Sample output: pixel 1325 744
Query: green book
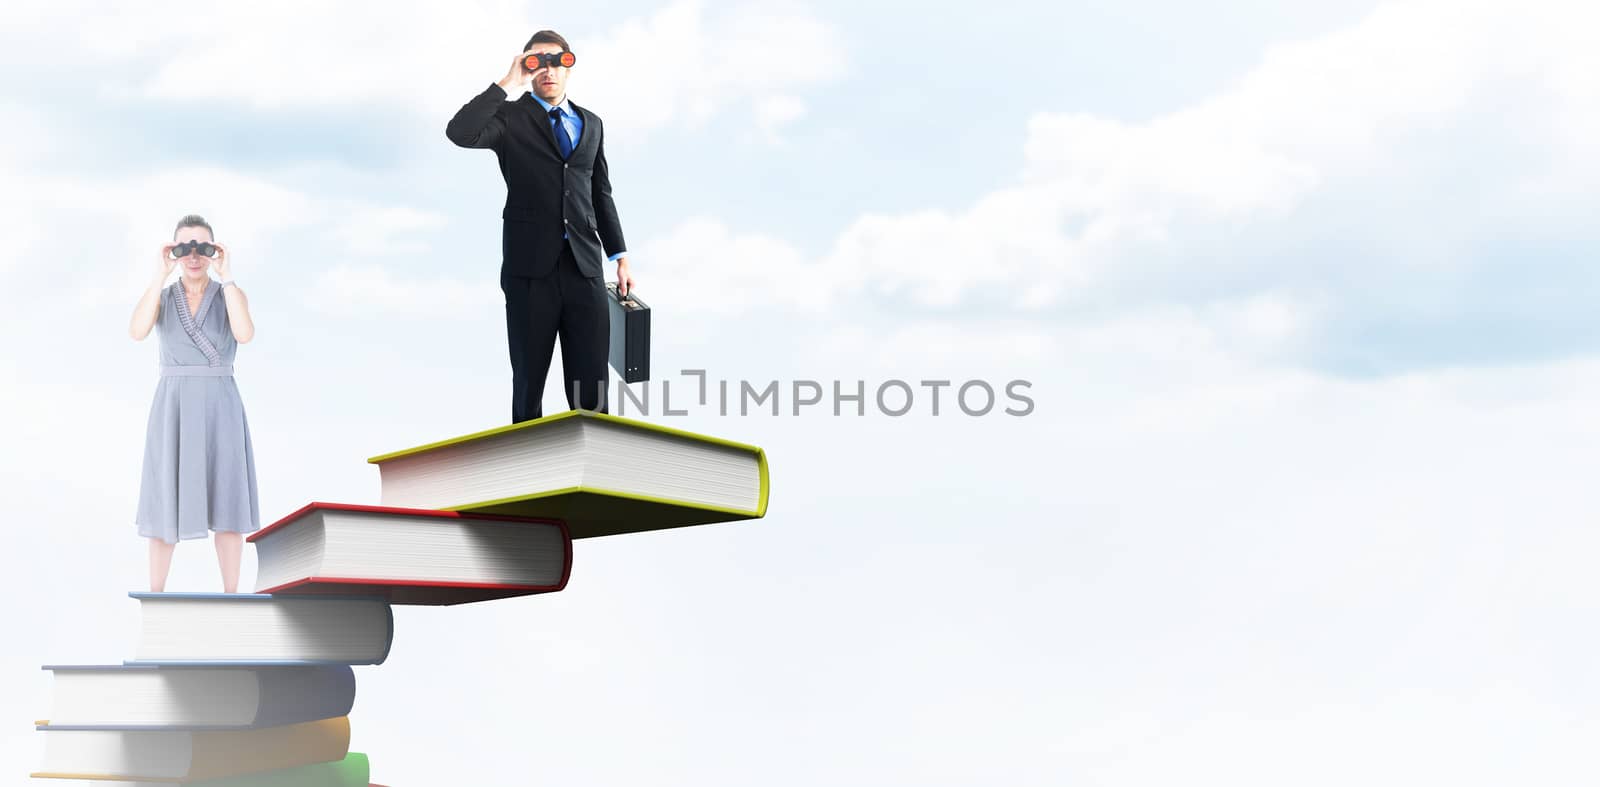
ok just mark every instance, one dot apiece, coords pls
pixel 352 771
pixel 601 474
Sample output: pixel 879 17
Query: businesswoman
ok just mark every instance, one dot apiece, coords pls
pixel 199 470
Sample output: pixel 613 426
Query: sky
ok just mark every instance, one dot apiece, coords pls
pixel 1296 292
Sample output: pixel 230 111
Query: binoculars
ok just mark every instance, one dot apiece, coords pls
pixel 184 249
pixel 551 59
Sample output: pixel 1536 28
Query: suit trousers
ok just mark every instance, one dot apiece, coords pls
pixel 567 303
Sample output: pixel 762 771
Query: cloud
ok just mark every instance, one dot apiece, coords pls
pixel 110 230
pixel 1102 200
pixel 374 291
pixel 27 136
pixel 683 65
pixel 376 230
pixel 1403 154
pixel 775 112
pixel 676 67
pixel 702 267
pixel 266 226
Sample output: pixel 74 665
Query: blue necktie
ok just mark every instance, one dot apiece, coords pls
pixel 561 133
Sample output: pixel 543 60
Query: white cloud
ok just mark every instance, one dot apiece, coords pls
pixel 753 61
pixel 683 64
pixel 111 230
pixel 775 112
pixel 27 136
pixel 1103 205
pixel 374 291
pixel 375 230
pixel 306 54
pixel 702 267
pixel 677 66
pixel 269 228
pixel 1335 108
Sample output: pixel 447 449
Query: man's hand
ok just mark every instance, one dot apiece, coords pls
pixel 221 264
pixel 517 77
pixel 624 277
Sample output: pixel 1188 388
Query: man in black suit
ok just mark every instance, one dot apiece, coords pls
pixel 559 224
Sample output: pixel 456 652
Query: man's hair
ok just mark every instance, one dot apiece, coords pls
pixel 193 220
pixel 547 37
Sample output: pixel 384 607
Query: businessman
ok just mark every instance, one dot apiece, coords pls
pixel 559 223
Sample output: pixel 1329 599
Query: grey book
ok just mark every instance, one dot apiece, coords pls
pixel 139 697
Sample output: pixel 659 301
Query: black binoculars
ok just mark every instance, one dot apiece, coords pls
pixel 184 249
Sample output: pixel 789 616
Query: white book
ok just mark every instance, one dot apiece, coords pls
pixel 230 629
pixel 143 697
pixel 411 556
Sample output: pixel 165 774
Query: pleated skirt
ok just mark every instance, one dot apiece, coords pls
pixel 199 468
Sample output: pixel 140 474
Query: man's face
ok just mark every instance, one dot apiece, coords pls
pixel 549 83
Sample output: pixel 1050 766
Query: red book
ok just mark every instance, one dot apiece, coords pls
pixel 410 555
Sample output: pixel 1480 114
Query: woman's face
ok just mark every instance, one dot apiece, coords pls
pixel 194 265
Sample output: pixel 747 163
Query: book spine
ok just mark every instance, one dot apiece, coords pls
pixel 352 771
pixel 221 754
pixel 291 695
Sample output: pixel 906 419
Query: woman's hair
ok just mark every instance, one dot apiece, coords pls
pixel 193 220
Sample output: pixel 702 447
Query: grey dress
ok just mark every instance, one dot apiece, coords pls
pixel 199 470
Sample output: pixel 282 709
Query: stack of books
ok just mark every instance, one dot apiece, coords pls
pixel 255 690
pixel 226 689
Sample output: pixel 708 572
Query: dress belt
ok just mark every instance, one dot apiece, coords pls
pixel 197 371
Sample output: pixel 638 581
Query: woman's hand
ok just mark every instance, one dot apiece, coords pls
pixel 220 263
pixel 165 265
pixel 148 309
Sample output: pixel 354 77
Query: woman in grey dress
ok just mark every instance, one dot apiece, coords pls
pixel 199 471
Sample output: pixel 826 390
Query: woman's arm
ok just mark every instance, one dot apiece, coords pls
pixel 244 329
pixel 149 306
pixel 239 314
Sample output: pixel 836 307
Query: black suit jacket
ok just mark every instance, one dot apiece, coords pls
pixel 545 196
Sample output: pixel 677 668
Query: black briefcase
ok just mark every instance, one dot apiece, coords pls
pixel 630 335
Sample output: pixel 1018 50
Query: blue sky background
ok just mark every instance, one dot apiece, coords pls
pixel 1302 290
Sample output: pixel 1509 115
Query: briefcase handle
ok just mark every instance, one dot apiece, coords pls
pixel 622 299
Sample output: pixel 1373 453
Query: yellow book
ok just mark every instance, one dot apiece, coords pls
pixel 601 474
pixel 179 756
pixel 352 771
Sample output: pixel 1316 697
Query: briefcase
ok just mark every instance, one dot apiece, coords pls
pixel 630 335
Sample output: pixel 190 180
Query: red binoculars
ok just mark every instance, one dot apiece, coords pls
pixel 551 59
